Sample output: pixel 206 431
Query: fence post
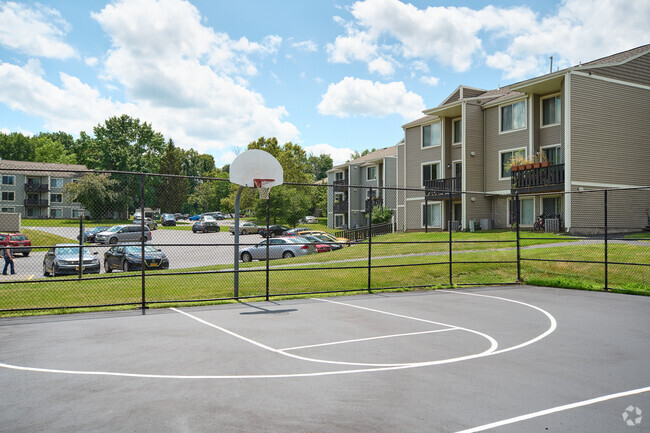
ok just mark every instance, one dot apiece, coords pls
pixel 518 223
pixel 142 237
pixel 606 266
pixel 81 243
pixel 268 239
pixel 370 238
pixel 449 227
pixel 426 213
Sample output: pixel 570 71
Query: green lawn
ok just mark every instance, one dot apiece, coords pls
pixel 41 238
pixel 409 265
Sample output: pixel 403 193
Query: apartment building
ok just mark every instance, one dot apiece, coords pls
pixel 590 121
pixel 30 189
pixel 352 196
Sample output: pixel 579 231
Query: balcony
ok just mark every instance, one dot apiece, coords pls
pixel 36 187
pixel 341 206
pixel 438 189
pixel 35 202
pixel 340 185
pixel 372 203
pixel 542 179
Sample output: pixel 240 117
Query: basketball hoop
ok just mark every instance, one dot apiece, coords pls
pixel 264 187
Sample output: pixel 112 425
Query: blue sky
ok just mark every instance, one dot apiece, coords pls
pixel 333 76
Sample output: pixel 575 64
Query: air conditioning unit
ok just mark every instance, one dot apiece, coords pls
pixel 487 224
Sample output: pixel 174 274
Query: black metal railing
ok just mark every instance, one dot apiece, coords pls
pixel 373 203
pixel 36 187
pixel 438 189
pixel 35 202
pixel 541 179
pixel 340 185
pixel 361 233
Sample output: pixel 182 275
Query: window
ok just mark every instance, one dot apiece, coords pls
pixel 8 196
pixel 458 169
pixel 551 110
pixel 371 173
pixel 56 182
pixel 429 172
pixel 338 175
pixel 8 209
pixel 76 213
pixel 506 158
pixel 431 135
pixel 457 130
pixel 33 181
pixel 339 220
pixel 552 206
pixel 56 213
pixel 8 179
pixel 56 198
pixel 431 215
pixel 527 209
pixel 553 155
pixel 513 116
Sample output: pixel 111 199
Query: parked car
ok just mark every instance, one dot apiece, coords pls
pixel 128 257
pixel 89 235
pixel 167 219
pixel 215 215
pixel 330 240
pixel 245 228
pixel 64 259
pixel 274 230
pixel 331 237
pixel 153 225
pixel 279 248
pixel 294 232
pixel 19 243
pixel 195 217
pixel 321 247
pixel 205 226
pixel 123 233
pixel 310 220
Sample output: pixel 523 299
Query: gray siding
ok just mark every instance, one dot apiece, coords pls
pixel 481 207
pixel 610 130
pixel 634 71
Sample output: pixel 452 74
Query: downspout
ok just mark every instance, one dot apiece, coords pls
pixel 464 166
pixel 567 152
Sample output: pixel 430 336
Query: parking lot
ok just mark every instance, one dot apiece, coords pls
pixel 184 248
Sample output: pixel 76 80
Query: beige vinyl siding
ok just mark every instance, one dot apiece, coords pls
pixel 635 71
pixel 454 97
pixel 416 156
pixel 471 93
pixel 610 129
pixel 495 142
pixel 475 165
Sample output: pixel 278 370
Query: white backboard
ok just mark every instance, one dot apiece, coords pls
pixel 256 164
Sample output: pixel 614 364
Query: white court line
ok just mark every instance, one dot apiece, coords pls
pixel 368 339
pixel 555 409
pixel 294 375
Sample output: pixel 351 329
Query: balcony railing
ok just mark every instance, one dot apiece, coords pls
pixel 341 206
pixel 540 179
pixel 36 187
pixel 340 185
pixel 35 202
pixel 439 189
pixel 372 203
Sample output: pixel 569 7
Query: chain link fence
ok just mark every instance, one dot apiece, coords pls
pixel 84 239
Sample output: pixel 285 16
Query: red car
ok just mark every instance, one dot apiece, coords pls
pixel 18 242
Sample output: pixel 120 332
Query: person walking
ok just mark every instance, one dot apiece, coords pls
pixel 9 261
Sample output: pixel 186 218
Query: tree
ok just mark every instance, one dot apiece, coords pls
pixel 171 192
pixel 96 193
pixel 48 150
pixel 209 194
pixel 381 214
pixel 319 165
pixel 16 146
pixel 356 155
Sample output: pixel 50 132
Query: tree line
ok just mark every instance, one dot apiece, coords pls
pixel 123 143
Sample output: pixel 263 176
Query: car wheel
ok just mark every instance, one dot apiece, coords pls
pixel 246 257
pixel 244 232
pixel 112 241
pixel 218 229
pixel 287 255
pixel 125 266
pixel 45 273
pixel 107 268
pixel 25 254
pixel 53 273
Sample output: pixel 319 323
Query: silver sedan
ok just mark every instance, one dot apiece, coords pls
pixel 279 248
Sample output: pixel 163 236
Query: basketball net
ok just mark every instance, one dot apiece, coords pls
pixel 263 187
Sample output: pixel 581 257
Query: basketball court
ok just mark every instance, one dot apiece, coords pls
pixel 507 359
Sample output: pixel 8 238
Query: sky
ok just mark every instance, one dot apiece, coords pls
pixel 333 76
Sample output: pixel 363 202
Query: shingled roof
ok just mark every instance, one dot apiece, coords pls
pixel 42 168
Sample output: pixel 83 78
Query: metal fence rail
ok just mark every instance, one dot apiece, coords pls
pixel 606 245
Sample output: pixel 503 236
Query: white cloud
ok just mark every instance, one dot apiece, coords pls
pixel 353 96
pixel 578 30
pixel 187 79
pixel 308 46
pixel 431 81
pixel 382 66
pixel 91 61
pixel 36 32
pixel 339 154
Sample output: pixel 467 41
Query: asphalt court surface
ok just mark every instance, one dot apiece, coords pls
pixel 509 359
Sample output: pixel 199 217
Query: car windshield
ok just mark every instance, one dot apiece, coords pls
pixel 137 249
pixel 70 251
pixel 114 229
pixel 19 238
